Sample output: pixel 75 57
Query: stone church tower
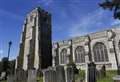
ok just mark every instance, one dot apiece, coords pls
pixel 35 46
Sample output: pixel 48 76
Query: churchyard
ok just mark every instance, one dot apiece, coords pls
pixel 61 74
pixel 37 42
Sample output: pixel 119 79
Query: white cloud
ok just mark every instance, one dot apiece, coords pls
pixel 115 22
pixel 92 22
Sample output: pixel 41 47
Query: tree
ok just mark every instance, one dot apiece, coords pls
pixel 112 5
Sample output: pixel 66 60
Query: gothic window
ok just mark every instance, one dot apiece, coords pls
pixel 63 56
pixel 100 52
pixel 80 54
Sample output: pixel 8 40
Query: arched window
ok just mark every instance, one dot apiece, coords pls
pixel 100 52
pixel 63 56
pixel 80 54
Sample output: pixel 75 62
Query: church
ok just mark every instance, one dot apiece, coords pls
pixel 37 51
pixel 102 48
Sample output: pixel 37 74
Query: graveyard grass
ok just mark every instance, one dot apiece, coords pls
pixel 3 81
pixel 81 75
pixel 39 79
pixel 109 75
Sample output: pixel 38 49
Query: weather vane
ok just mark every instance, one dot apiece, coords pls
pixel 113 5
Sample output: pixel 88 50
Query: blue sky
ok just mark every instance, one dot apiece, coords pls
pixel 69 18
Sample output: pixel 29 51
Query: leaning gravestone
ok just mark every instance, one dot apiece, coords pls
pixel 32 76
pixel 60 73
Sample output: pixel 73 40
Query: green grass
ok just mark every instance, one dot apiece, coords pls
pixel 40 79
pixel 81 75
pixel 109 75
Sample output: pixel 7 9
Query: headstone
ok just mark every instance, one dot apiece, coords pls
pixel 98 74
pixel 3 75
pixel 20 76
pixel 60 73
pixel 49 75
pixel 103 71
pixel 117 77
pixel 69 74
pixel 91 72
pixel 11 78
pixel 118 71
pixel 32 76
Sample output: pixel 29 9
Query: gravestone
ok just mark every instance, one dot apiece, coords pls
pixel 91 72
pixel 98 74
pixel 45 76
pixel 11 78
pixel 32 76
pixel 3 76
pixel 118 71
pixel 117 77
pixel 103 71
pixel 21 76
pixel 60 73
pixel 49 75
pixel 70 74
